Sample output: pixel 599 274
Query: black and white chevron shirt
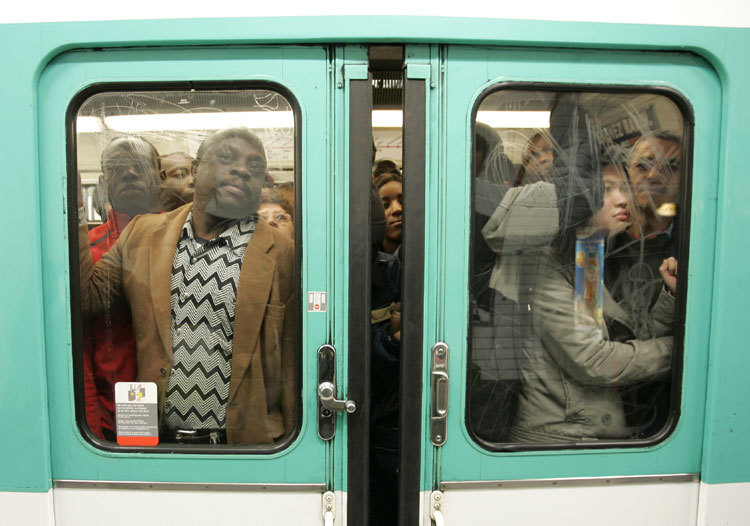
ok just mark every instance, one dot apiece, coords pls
pixel 205 276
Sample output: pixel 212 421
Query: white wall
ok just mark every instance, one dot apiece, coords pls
pixel 728 13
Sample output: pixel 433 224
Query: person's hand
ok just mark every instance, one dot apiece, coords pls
pixel 668 271
pixel 395 328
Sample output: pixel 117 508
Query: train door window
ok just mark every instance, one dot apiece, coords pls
pixel 578 214
pixel 187 267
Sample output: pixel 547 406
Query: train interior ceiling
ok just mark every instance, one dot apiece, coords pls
pixel 176 121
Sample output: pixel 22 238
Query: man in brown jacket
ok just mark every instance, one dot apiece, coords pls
pixel 210 289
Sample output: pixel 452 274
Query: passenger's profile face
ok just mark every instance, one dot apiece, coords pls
pixel 615 215
pixel 655 170
pixel 177 181
pixel 131 169
pixel 275 216
pixel 229 179
pixel 539 156
pixel 390 195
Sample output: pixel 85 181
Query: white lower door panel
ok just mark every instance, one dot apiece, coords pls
pixel 614 502
pixel 198 505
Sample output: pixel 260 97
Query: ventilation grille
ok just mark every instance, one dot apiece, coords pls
pixel 387 87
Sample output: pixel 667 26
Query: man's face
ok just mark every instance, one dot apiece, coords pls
pixel 655 170
pixel 229 179
pixel 132 173
pixel 541 155
pixel 390 195
pixel 177 181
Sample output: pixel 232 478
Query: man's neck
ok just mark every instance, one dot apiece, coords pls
pixel 390 246
pixel 208 226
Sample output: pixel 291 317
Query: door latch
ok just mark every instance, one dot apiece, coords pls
pixel 327 396
pixel 329 508
pixel 439 399
pixel 436 508
pixel 328 404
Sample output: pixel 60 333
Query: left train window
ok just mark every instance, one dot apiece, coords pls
pixel 188 276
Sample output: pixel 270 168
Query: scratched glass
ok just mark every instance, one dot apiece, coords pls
pixel 172 184
pixel 576 208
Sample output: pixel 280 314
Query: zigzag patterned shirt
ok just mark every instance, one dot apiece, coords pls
pixel 204 283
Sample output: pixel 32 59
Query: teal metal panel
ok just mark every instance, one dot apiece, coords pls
pixel 350 63
pixel 303 71
pixel 25 461
pixel 24 442
pixel 726 457
pixel 422 61
pixel 468 72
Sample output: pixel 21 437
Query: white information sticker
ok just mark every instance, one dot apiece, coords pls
pixel 316 302
pixel 136 414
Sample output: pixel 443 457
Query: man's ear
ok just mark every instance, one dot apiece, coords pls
pixel 162 175
pixel 194 168
pixel 269 181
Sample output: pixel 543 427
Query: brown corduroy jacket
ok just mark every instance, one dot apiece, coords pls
pixel 137 270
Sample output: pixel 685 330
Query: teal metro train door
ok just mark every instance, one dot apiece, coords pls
pixel 209 316
pixel 564 350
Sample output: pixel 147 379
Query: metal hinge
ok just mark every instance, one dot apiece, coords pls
pixel 436 508
pixel 439 401
pixel 329 508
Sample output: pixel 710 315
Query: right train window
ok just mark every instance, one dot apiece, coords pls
pixel 577 217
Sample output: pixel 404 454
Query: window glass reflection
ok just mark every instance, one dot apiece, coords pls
pixel 187 282
pixel 574 269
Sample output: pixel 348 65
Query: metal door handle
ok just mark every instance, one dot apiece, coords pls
pixel 328 404
pixel 440 382
pixel 327 396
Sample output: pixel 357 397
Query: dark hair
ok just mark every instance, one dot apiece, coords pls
pixel 230 133
pixel 615 155
pixel 120 141
pixel 662 135
pixel 387 177
pixel 272 196
pixel 385 166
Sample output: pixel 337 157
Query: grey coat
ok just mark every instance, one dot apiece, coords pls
pixel 570 375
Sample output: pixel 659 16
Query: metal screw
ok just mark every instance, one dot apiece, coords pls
pixel 437 496
pixel 438 437
pixel 329 498
pixel 436 506
pixel 329 507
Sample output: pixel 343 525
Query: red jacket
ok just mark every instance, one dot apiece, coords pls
pixel 109 351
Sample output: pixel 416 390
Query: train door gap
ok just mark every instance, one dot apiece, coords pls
pixel 386 63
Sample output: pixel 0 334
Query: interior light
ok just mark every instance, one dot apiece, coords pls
pixel 514 119
pixel 200 121
pixel 89 124
pixel 280 119
pixel 220 120
pixel 387 119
